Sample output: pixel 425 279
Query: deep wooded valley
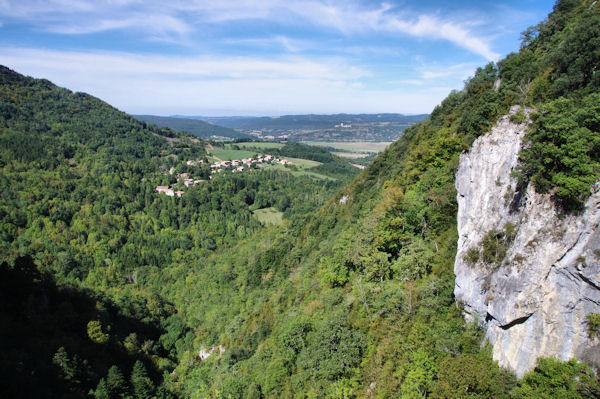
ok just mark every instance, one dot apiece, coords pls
pixel 306 279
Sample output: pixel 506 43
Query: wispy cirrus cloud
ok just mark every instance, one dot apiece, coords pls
pixel 158 24
pixel 197 85
pixel 77 17
pixel 281 55
pixel 427 26
pixel 351 17
pixel 457 71
pixel 181 18
pixel 201 67
pixel 278 41
pixel 437 75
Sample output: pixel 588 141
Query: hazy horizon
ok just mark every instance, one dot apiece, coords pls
pixel 258 58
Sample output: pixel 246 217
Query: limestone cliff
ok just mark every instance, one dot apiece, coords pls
pixel 527 273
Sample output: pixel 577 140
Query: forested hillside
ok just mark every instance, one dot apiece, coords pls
pixel 110 289
pixel 368 309
pixel 88 245
pixel 196 127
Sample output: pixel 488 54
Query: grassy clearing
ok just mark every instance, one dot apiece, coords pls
pixel 229 154
pixel 268 216
pixel 299 163
pixel 303 163
pixel 313 174
pixel 353 146
pixel 299 172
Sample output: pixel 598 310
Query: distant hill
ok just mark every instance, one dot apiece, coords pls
pixel 338 127
pixel 197 127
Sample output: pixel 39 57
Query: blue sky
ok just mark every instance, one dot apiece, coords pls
pixel 251 57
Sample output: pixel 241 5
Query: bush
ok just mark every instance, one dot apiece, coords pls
pixel 471 256
pixel 518 117
pixel 552 378
pixel 593 324
pixel 495 244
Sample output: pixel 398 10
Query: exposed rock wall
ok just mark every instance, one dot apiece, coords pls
pixel 534 300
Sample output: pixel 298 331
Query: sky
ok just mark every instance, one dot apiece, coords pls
pixel 262 57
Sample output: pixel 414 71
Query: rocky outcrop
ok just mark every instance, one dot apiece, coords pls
pixel 205 353
pixel 527 273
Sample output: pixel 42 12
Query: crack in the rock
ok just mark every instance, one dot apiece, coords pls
pixel 574 277
pixel 589 281
pixel 571 247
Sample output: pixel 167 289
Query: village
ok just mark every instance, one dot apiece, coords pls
pixel 234 166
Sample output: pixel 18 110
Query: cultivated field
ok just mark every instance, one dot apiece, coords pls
pixel 303 163
pixel 299 167
pixel 351 154
pixel 352 146
pixel 227 154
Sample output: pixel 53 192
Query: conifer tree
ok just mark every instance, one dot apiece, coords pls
pixel 142 385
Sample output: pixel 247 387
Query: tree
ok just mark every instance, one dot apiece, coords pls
pixel 102 391
pixel 67 366
pixel 116 383
pixel 467 376
pixel 95 333
pixel 553 379
pixel 142 385
pixel 332 350
pixel 417 380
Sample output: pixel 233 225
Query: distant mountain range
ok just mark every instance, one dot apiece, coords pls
pixel 338 127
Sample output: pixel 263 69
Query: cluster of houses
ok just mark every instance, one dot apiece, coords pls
pixel 171 192
pixel 168 191
pixel 220 166
pixel 246 163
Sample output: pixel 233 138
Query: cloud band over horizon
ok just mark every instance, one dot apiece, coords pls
pixel 254 57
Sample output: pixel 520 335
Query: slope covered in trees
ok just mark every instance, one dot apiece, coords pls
pixel 87 244
pixel 368 308
pixel 350 297
pixel 195 126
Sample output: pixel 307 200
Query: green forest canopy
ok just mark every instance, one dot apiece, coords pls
pixel 110 289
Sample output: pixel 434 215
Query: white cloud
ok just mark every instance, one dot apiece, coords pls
pixel 160 85
pixel 158 24
pixel 180 18
pixel 165 85
pixel 278 41
pixel 82 17
pixel 348 17
pixel 190 68
pixel 452 72
pixel 431 27
pixel 411 82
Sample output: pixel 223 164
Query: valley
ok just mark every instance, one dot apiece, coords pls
pixel 448 255
pixel 339 127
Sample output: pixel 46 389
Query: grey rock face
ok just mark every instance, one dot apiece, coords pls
pixel 533 292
